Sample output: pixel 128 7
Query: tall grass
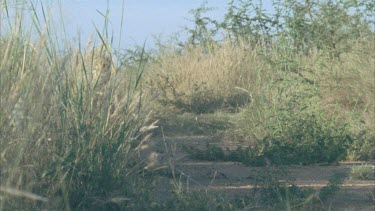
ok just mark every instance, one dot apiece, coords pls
pixel 305 83
pixel 291 101
pixel 69 121
pixel 72 117
pixel 203 79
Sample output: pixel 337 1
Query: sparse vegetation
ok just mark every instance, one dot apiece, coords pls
pixel 295 87
pixel 332 187
pixel 363 172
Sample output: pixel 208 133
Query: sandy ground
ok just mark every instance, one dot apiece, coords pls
pixel 236 179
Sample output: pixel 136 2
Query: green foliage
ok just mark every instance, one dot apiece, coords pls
pixel 363 172
pixel 199 200
pixel 332 187
pixel 305 139
pixel 291 127
pixel 247 19
pixel 70 135
pixel 363 147
pixel 326 25
pixel 329 25
pixel 282 195
pixel 204 27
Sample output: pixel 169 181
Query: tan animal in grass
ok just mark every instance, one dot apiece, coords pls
pixel 100 60
pixel 93 67
pixel 92 71
pixel 102 71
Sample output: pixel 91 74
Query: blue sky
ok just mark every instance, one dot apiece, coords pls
pixel 142 18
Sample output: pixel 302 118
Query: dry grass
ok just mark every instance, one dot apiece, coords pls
pixel 203 80
pixel 70 123
pixel 350 84
pixel 338 93
pixel 272 83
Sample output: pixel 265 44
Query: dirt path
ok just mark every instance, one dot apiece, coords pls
pixel 236 179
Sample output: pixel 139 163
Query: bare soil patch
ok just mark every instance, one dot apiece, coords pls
pixel 235 180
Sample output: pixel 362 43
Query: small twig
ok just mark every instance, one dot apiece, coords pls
pixel 171 162
pixel 212 181
pixel 19 193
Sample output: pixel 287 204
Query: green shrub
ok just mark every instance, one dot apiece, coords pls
pixel 290 127
pixel 363 147
pixel 306 139
pixel 332 187
pixel 363 172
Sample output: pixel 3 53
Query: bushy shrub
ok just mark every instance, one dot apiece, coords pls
pixel 289 126
pixel 363 172
pixel 305 140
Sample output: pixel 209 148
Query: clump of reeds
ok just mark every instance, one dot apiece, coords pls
pixel 70 121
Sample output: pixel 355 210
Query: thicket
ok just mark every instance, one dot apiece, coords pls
pixel 300 77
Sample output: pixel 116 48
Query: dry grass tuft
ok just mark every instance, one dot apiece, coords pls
pixel 204 80
pixel 69 124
